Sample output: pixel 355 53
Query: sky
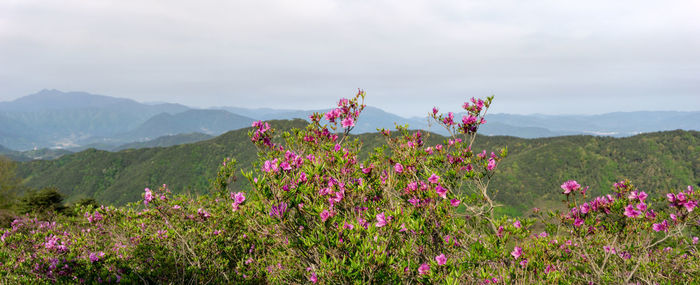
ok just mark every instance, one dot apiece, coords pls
pixel 536 56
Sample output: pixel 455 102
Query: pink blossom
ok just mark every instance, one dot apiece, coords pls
pixel 148 197
pixel 398 167
pixel 313 278
pixel 381 220
pixel 570 186
pixel 663 226
pixel 642 207
pixel 455 202
pixel 671 197
pixel 517 224
pixel 517 252
pixel 348 122
pixel 690 205
pixel 433 178
pixel 631 212
pixel 491 165
pixel 441 191
pixel 641 195
pixel 239 197
pixel 585 207
pixel 348 226
pixel 424 269
pixel 441 259
pixel 325 215
pixel 523 263
pixel 94 257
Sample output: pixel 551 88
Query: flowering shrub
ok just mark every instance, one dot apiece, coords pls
pixel 319 213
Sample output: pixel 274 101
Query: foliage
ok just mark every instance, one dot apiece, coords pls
pixel 9 183
pixel 656 162
pixel 44 202
pixel 410 211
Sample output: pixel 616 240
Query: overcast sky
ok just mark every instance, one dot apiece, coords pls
pixel 552 57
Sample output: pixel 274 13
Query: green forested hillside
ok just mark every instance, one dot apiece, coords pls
pixel 530 176
pixel 655 162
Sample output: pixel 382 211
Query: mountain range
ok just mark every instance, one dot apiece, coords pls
pixel 79 120
pixel 529 177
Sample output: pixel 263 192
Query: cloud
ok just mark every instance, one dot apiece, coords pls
pixel 535 56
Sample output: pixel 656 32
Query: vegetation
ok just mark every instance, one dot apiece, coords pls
pixel 655 161
pixel 410 211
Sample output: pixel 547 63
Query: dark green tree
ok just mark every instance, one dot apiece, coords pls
pixel 46 202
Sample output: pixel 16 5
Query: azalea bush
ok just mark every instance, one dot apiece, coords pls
pixel 319 213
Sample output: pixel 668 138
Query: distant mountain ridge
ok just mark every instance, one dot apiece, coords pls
pixel 77 120
pixel 55 119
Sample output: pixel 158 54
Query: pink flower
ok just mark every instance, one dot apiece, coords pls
pixel 433 178
pixel 523 263
pixel 642 207
pixel 348 122
pixel 381 220
pixel 570 186
pixel 398 167
pixel 663 226
pixel 631 212
pixel 638 195
pixel 455 202
pixel 517 224
pixel 517 252
pixel 148 197
pixel 325 215
pixel 424 269
pixel 491 165
pixel 671 197
pixel 96 256
pixel 585 208
pixel 313 278
pixel 690 205
pixel 348 226
pixel 239 197
pixel 441 259
pixel 441 191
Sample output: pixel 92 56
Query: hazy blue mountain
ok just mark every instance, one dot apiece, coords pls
pixel 166 141
pixel 51 118
pixel 57 100
pixel 619 124
pixel 78 120
pixel 492 128
pixel 211 122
